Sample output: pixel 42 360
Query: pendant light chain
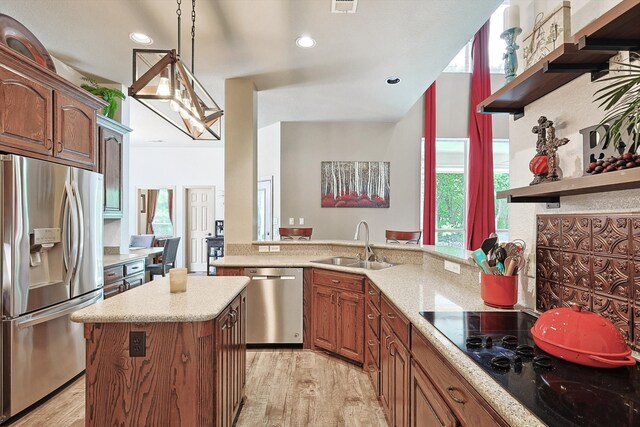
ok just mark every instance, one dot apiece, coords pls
pixel 179 13
pixel 193 36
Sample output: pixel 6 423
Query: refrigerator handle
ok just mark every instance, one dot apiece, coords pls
pixel 66 234
pixel 73 255
pixel 80 235
pixel 56 312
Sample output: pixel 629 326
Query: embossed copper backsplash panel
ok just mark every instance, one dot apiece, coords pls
pixel 593 260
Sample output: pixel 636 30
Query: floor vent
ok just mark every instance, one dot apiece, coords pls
pixel 344 6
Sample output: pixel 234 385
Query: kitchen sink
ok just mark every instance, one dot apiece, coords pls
pixel 354 262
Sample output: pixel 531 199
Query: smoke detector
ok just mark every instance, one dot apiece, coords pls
pixel 344 6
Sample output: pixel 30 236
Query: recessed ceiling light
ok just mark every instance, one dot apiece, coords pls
pixel 393 80
pixel 141 38
pixel 305 42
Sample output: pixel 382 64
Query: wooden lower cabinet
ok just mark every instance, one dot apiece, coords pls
pixel 426 405
pixel 394 377
pixel 229 271
pixel 230 361
pixel 338 314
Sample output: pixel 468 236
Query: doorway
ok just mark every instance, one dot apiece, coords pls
pixel 199 225
pixel 265 209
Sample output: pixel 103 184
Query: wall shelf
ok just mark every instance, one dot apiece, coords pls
pixel 550 192
pixel 616 30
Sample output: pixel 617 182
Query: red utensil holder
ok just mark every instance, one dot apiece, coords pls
pixel 499 291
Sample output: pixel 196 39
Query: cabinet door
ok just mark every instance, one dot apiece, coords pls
pixel 235 378
pixel 399 404
pixel 324 318
pixel 113 289
pixel 427 407
pixel 75 125
pixel 386 368
pixel 351 325
pixel 111 166
pixel 134 281
pixel 223 372
pixel 229 271
pixel 25 113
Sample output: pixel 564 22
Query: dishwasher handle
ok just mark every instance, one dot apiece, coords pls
pixel 272 277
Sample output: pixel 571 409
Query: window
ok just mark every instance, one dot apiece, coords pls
pixel 162 226
pixel 451 166
pixel 461 63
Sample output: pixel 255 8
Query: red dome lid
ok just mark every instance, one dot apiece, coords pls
pixel 581 331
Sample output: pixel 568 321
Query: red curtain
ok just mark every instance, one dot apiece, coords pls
pixel 429 219
pixel 480 196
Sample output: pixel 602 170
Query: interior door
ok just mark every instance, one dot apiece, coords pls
pixel 265 210
pixel 200 214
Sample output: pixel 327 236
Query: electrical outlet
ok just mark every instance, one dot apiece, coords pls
pixel 452 267
pixel 137 344
pixel 263 248
pixel 274 248
pixel 301 221
pixel 292 221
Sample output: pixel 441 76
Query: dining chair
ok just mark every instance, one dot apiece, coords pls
pixel 168 259
pixel 409 237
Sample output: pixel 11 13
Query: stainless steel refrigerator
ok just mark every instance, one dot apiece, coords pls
pixel 51 235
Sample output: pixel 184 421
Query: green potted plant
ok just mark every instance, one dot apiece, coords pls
pixel 106 93
pixel 621 100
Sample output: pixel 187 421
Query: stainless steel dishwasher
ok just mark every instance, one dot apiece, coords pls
pixel 274 306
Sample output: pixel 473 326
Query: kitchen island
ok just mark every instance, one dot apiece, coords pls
pixel 156 358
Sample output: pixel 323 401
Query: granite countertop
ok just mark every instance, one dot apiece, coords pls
pixel 111 260
pixel 413 289
pixel 205 299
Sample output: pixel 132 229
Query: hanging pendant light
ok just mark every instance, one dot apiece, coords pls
pixel 165 85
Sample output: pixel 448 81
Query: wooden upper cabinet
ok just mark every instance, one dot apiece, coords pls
pixel 44 116
pixel 75 131
pixel 110 139
pixel 25 116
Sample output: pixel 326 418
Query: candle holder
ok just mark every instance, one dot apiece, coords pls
pixel 510 57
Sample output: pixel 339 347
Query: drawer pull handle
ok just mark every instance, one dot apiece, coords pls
pixel 335 281
pixel 373 293
pixel 453 392
pixel 372 368
pixel 392 345
pixel 371 342
pixel 391 316
pixel 370 316
pixel 135 268
pixel 111 274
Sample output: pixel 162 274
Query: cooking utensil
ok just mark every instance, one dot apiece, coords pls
pixel 510 265
pixel 488 244
pixel 581 337
pixel 481 259
pixel 501 255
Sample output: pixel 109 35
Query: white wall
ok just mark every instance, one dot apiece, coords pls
pixel 177 166
pixel 571 108
pixel 305 144
pixel 269 167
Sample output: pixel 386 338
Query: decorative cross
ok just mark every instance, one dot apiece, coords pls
pixel 541 131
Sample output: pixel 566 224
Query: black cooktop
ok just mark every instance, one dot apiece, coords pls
pixel 560 393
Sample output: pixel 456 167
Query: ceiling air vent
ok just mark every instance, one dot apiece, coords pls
pixel 344 6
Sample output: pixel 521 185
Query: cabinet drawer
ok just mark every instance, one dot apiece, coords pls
pixel 349 282
pixel 134 267
pixel 373 293
pixel 113 289
pixel 372 318
pixel 399 324
pixel 113 274
pixel 373 344
pixel 455 391
pixel 134 280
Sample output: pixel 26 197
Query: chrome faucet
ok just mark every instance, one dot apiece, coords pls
pixel 368 252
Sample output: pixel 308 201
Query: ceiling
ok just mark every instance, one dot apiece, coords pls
pixel 341 79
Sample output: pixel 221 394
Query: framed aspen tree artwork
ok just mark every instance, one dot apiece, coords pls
pixel 349 184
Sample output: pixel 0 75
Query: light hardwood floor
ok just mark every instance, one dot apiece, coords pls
pixel 285 388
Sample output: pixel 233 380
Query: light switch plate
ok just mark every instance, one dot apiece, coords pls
pixel 292 221
pixel 274 248
pixel 263 248
pixel 452 267
pixel 301 221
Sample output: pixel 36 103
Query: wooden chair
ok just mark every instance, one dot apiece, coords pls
pixel 408 237
pixel 302 233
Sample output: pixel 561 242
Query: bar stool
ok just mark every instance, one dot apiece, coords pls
pixel 408 237
pixel 301 233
